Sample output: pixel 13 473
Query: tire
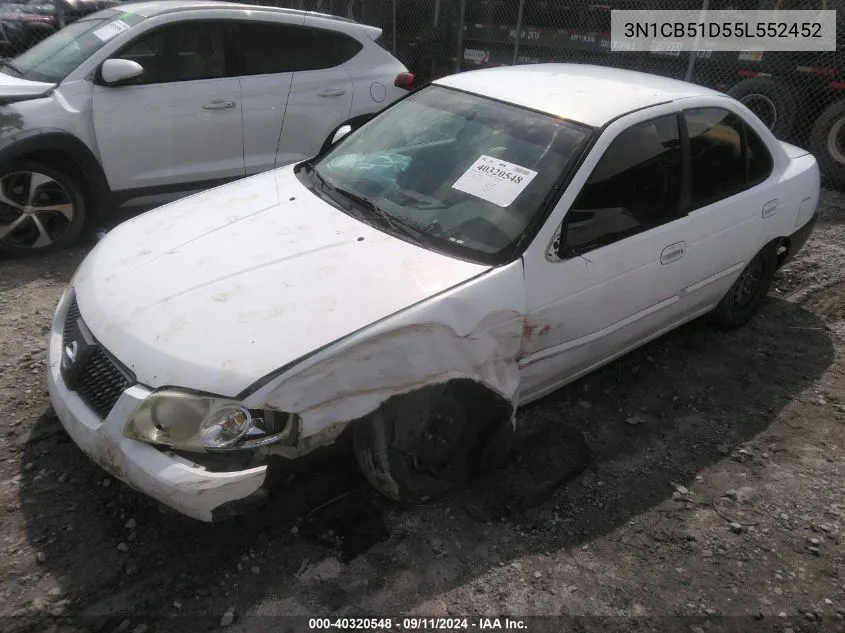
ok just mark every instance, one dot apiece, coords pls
pixel 42 209
pixel 420 446
pixel 747 293
pixel 771 100
pixel 827 143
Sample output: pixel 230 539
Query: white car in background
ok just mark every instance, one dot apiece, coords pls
pixel 475 246
pixel 158 97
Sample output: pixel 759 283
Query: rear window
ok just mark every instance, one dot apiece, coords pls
pixel 337 48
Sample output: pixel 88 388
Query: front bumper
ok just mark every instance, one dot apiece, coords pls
pixel 176 482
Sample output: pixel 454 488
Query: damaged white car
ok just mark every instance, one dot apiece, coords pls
pixel 477 245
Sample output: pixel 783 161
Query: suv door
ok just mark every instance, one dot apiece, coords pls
pixel 594 296
pixel 320 98
pixel 180 122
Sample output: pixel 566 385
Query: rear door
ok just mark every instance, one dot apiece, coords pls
pixel 728 208
pixel 320 96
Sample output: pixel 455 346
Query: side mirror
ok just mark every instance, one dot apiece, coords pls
pixel 342 131
pixel 114 71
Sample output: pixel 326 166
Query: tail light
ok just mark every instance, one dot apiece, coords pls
pixel 405 81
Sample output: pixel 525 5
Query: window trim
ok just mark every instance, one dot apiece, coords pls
pixel 737 189
pixel 565 254
pixel 228 50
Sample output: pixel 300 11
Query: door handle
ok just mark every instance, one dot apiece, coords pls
pixel 331 92
pixel 673 252
pixel 219 104
pixel 770 208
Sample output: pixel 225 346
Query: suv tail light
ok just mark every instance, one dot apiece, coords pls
pixel 405 81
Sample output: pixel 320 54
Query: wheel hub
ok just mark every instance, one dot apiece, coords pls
pixel 748 283
pixel 35 209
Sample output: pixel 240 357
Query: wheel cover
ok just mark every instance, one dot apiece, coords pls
pixel 763 107
pixel 748 285
pixel 35 209
pixel 836 141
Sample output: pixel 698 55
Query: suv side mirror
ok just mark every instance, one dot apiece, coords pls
pixel 342 131
pixel 114 71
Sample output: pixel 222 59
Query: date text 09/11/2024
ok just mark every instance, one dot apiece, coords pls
pixel 416 624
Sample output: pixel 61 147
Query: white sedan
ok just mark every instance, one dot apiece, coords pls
pixel 477 245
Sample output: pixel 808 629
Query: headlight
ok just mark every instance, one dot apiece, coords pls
pixel 192 422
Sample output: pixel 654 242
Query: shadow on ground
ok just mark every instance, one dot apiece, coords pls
pixel 641 426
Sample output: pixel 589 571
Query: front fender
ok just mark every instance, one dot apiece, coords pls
pixel 470 332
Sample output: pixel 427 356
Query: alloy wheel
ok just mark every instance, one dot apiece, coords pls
pixel 35 209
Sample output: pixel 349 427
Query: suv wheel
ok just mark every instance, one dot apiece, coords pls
pixel 41 209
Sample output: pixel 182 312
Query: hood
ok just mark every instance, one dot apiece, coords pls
pixel 16 89
pixel 218 290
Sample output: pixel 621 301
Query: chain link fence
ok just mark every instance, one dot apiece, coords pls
pixel 800 96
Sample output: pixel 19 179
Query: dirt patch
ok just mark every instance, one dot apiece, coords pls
pixel 698 477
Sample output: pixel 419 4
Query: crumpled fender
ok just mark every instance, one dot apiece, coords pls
pixel 471 331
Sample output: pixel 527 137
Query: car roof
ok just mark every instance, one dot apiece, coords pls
pixel 157 7
pixel 593 95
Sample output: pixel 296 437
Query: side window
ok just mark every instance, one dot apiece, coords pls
pixel 284 48
pixel 634 187
pixel 726 156
pixel 183 52
pixel 337 48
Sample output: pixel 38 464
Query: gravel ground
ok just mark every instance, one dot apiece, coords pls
pixel 697 478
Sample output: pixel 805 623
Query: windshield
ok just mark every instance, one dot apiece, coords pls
pixel 54 58
pixel 461 173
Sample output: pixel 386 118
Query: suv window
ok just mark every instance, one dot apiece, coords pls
pixel 726 156
pixel 284 48
pixel 337 48
pixel 183 52
pixel 634 187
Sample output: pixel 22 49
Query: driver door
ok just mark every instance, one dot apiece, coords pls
pixel 180 122
pixel 597 296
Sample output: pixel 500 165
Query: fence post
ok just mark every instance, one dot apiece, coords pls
pixel 59 8
pixel 694 54
pixel 518 35
pixel 394 27
pixel 459 58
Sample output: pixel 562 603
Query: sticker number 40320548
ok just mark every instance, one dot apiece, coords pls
pixel 494 180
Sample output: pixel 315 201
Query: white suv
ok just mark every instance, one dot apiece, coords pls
pixel 158 97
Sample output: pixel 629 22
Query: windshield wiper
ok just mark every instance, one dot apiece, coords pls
pixel 397 225
pixel 13 68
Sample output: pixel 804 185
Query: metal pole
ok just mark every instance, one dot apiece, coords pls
pixel 694 54
pixel 459 58
pixel 518 35
pixel 394 27
pixel 59 8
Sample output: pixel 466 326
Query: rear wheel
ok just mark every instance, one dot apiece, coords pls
pixel 827 142
pixel 42 209
pixel 747 293
pixel 771 100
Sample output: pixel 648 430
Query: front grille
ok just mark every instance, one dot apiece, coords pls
pixel 101 383
pixel 101 379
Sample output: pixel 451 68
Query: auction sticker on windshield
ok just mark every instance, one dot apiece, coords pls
pixel 494 180
pixel 111 29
